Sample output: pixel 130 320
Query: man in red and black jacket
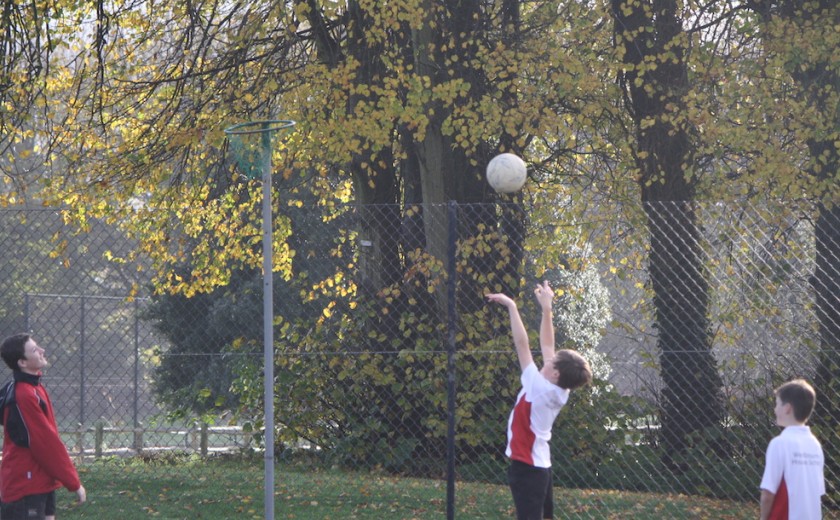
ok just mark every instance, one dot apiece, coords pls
pixel 35 460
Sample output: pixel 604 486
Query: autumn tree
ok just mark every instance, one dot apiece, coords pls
pixel 399 104
pixel 24 54
pixel 424 93
pixel 654 47
pixel 800 43
pixel 413 66
pixel 405 101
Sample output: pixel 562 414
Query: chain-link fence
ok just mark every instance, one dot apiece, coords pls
pixel 388 357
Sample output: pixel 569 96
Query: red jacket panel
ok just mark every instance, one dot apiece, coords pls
pixel 45 465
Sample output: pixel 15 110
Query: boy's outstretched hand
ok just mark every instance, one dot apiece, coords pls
pixel 81 495
pixel 517 328
pixel 544 294
pixel 502 299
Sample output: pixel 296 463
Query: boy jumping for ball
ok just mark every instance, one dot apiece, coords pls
pixel 793 481
pixel 544 392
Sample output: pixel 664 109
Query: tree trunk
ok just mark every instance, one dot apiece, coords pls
pixel 819 80
pixel 826 283
pixel 447 172
pixel 655 80
pixel 691 398
pixel 374 173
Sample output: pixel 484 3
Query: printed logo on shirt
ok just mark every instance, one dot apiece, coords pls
pixel 806 459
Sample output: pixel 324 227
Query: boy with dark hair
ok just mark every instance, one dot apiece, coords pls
pixel 544 392
pixel 793 481
pixel 35 461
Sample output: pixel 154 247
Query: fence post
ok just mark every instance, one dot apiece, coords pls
pixel 138 439
pixel 26 313
pixel 80 440
pixel 452 210
pixel 204 441
pixel 82 362
pixel 99 439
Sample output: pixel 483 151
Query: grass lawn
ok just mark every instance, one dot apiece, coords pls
pixel 228 489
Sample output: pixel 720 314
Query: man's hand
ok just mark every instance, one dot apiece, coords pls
pixel 81 495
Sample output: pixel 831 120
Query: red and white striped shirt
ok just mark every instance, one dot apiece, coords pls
pixel 529 425
pixel 794 473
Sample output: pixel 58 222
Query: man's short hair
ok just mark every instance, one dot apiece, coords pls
pixel 573 369
pixel 800 396
pixel 13 349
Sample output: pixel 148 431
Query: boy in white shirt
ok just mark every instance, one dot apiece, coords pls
pixel 793 481
pixel 544 392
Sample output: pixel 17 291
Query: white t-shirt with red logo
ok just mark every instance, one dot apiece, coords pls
pixel 794 473
pixel 529 425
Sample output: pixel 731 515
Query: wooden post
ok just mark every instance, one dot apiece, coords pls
pixel 203 439
pixel 80 440
pixel 100 436
pixel 138 439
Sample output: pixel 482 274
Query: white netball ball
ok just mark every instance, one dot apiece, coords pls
pixel 506 173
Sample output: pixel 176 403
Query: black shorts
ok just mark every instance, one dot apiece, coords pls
pixel 30 507
pixel 531 489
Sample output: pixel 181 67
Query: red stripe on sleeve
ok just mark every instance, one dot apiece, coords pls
pixel 779 510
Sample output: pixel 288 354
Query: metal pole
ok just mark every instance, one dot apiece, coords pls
pixel 82 340
pixel 26 313
pixel 452 326
pixel 136 390
pixel 265 130
pixel 268 326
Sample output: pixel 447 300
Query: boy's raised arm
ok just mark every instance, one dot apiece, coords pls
pixel 517 329
pixel 545 296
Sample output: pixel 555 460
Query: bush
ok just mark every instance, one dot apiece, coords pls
pixel 591 434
